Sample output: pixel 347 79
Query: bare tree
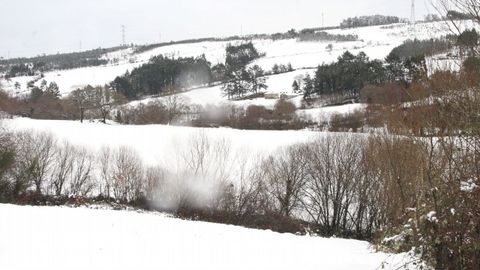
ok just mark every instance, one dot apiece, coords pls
pixel 35 156
pixel 468 8
pixel 286 178
pixel 127 174
pixel 333 176
pixel 104 160
pixel 81 183
pixel 98 99
pixel 62 168
pixel 156 184
pixel 176 106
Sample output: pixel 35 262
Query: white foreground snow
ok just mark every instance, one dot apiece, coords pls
pixel 66 238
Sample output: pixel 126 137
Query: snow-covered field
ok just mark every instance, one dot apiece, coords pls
pixel 376 42
pixel 66 238
pixel 325 113
pixel 158 144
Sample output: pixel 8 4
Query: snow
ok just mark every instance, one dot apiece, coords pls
pixel 324 114
pixel 468 186
pixel 375 41
pixel 281 84
pixel 160 143
pixel 431 216
pixel 80 238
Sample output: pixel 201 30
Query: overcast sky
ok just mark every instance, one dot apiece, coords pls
pixel 32 27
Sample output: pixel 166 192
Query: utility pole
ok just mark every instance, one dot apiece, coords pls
pixel 123 36
pixel 323 19
pixel 412 14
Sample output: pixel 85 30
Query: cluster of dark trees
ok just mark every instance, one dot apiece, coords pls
pixel 281 68
pixel 457 15
pixel 468 42
pixel 405 63
pixel 311 35
pixel 347 75
pixel 418 48
pixel 163 75
pixel 39 64
pixel 369 21
pixel 238 56
pixel 238 79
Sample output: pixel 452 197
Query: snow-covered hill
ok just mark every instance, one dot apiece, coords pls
pixel 279 84
pixel 160 144
pixel 66 238
pixel 375 41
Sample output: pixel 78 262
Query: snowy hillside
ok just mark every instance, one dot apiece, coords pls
pixel 375 41
pixel 158 143
pixel 280 84
pixel 65 238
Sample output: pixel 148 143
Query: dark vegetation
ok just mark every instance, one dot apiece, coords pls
pixel 347 75
pixel 363 21
pixel 324 36
pixel 238 79
pixel 419 48
pixel 39 64
pixel 45 103
pixel 162 75
pixel 458 15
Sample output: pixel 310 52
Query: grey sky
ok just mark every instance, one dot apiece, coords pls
pixel 32 27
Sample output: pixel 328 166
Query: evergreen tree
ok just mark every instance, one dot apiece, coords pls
pixel 256 78
pixel 53 90
pixel 295 86
pixel 307 87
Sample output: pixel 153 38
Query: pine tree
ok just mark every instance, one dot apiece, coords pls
pixel 295 86
pixel 307 87
pixel 53 90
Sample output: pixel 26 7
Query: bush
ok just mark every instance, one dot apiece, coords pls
pixel 348 122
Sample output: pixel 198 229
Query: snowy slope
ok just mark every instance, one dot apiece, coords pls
pixel 376 41
pixel 159 144
pixel 281 83
pixel 65 238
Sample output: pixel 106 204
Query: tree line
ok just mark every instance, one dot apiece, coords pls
pixel 404 64
pixel 39 64
pixel 371 20
pixel 164 75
